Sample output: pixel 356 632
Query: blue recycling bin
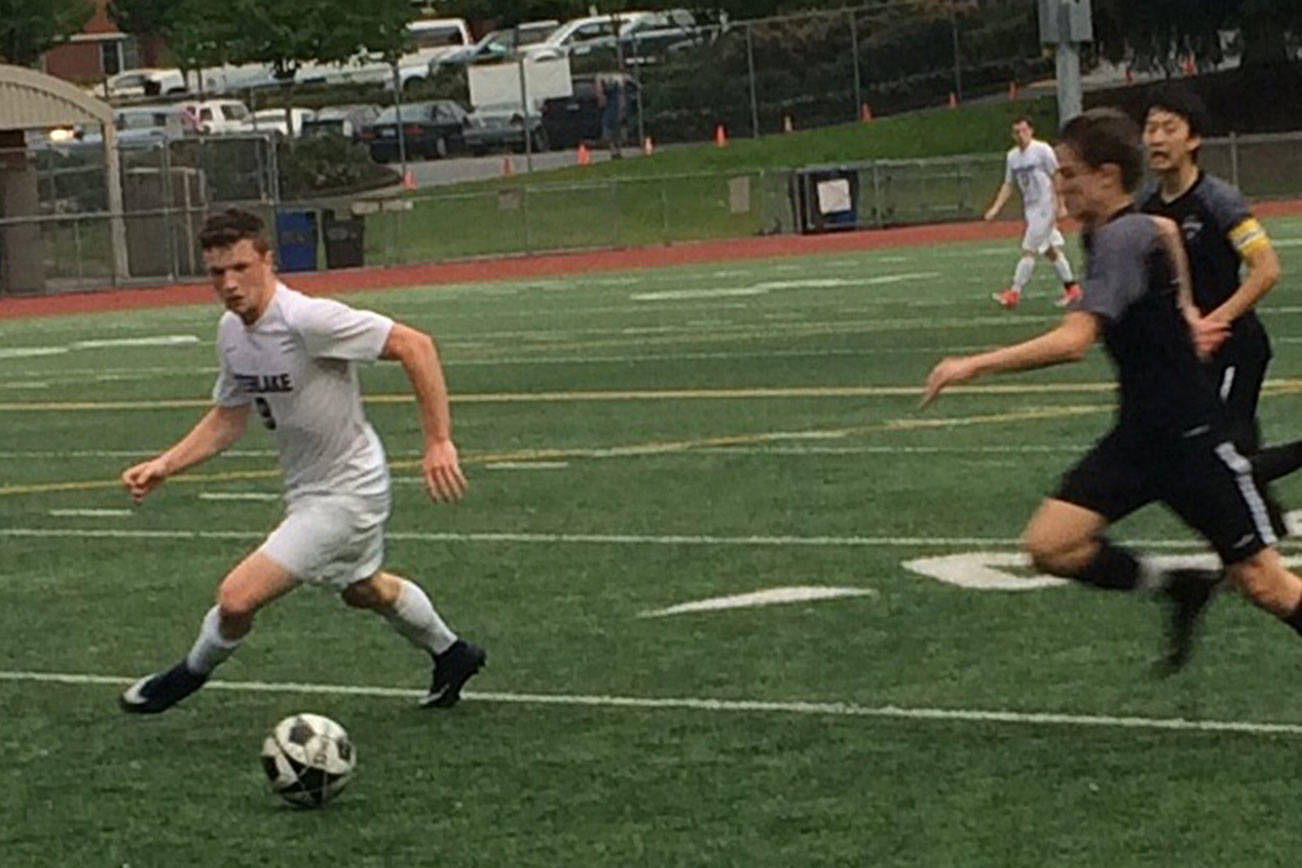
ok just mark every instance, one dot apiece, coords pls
pixel 296 240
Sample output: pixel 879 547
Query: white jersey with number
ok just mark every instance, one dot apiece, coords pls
pixel 297 366
pixel 1032 171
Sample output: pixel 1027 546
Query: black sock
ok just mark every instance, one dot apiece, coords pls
pixel 1295 620
pixel 1273 462
pixel 1112 568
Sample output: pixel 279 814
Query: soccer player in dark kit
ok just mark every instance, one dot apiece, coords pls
pixel 1222 240
pixel 1170 442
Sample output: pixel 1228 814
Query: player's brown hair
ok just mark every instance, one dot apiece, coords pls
pixel 1105 135
pixel 229 227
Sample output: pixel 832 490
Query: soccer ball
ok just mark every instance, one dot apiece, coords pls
pixel 308 759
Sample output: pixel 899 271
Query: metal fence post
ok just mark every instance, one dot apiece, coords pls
pixel 664 207
pixel 1234 158
pixel 879 209
pixel 167 210
pixel 614 210
pixel 524 208
pixel 958 68
pixel 854 54
pixel 754 100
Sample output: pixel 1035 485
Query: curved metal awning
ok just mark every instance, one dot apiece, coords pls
pixel 33 100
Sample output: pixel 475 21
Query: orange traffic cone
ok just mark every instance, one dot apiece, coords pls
pixel 648 147
pixel 720 136
pixel 507 168
pixel 787 125
pixel 1012 91
pixel 408 181
pixel 583 158
pixel 865 113
pixel 953 100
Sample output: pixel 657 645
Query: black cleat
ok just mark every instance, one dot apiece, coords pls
pixel 159 692
pixel 1188 591
pixel 452 669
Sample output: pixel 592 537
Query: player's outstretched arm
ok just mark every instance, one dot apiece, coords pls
pixel 419 357
pixel 217 430
pixel 1067 343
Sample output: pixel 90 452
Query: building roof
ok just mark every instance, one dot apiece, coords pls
pixel 33 100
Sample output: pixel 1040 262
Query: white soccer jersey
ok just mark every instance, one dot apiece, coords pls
pixel 1032 170
pixel 296 365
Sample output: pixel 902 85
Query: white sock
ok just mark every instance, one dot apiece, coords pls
pixel 1063 267
pixel 1022 274
pixel 413 616
pixel 211 648
pixel 1151 578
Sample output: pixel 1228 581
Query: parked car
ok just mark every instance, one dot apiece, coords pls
pixel 648 38
pixel 568 120
pixel 501 125
pixel 503 44
pixel 219 116
pixel 581 35
pixel 430 130
pixel 342 120
pixel 274 119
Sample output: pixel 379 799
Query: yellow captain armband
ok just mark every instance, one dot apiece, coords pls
pixel 1249 237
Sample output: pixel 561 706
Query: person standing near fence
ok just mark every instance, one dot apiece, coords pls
pixel 1233 267
pixel 1031 165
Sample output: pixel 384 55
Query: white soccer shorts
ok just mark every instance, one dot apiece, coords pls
pixel 1041 232
pixel 331 541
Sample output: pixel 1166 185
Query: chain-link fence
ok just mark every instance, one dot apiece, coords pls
pixel 167 192
pixel 821 67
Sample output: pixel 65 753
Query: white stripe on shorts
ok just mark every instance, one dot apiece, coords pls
pixel 1248 488
pixel 1227 383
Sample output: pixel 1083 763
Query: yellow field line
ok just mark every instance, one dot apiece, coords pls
pixel 1272 387
pixel 652 448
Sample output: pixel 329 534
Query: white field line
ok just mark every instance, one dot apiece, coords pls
pixel 527 465
pixel 735 706
pixel 238 495
pixel 585 538
pixel 704 450
pixel 89 513
pixel 887 450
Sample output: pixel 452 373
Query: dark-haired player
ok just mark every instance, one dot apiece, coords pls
pixel 293 358
pixel 1232 265
pixel 1170 442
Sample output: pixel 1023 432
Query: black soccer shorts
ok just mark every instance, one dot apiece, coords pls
pixel 1203 479
pixel 1239 369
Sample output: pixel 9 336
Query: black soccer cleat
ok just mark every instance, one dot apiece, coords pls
pixel 452 669
pixel 1188 592
pixel 158 692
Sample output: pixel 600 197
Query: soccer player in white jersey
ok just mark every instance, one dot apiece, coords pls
pixel 292 359
pixel 1031 166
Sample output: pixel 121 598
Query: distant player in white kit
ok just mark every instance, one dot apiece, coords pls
pixel 292 358
pixel 1031 165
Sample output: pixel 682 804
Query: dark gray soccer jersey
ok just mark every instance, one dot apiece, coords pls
pixel 1218 229
pixel 1129 284
pixel 296 365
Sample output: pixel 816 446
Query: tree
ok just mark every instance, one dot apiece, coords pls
pixel 289 33
pixel 29 28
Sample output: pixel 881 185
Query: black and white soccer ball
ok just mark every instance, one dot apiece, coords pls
pixel 309 759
